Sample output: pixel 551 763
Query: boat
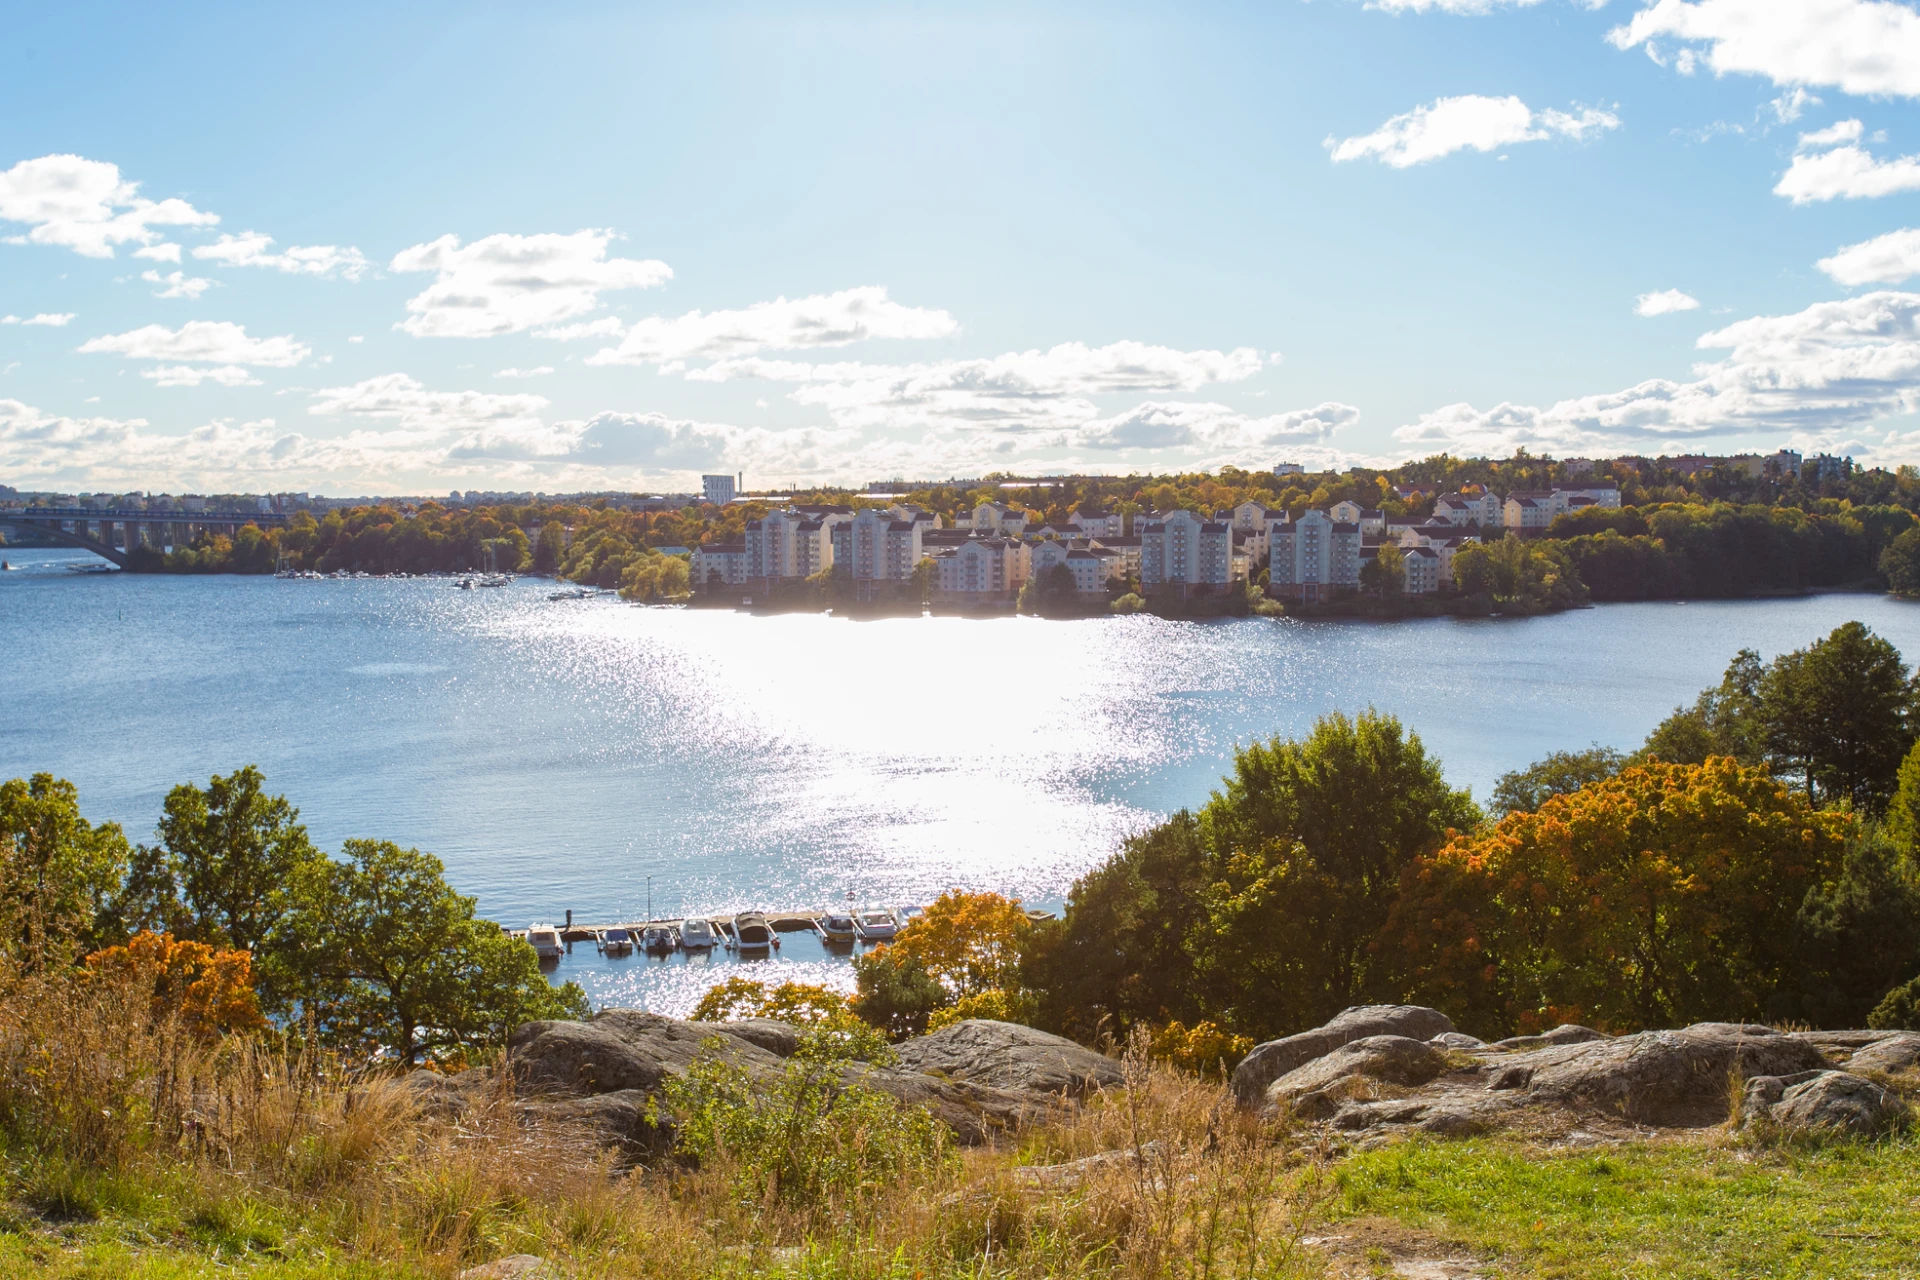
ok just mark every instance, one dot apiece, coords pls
pixel 697 935
pixel 465 584
pixel 616 942
pixel 658 939
pixel 751 932
pixel 496 580
pixel 545 941
pixel 879 925
pixel 838 926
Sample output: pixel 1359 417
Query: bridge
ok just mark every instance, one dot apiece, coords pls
pixel 114 533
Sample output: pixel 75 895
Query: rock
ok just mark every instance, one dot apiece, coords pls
pixel 1458 1040
pixel 1393 1059
pixel 521 1266
pixel 1821 1103
pixel 975 1112
pixel 1003 1055
pixel 1269 1061
pixel 1892 1054
pixel 1565 1033
pixel 778 1038
pixel 442 1096
pixel 1844 1040
pixel 1070 1174
pixel 1675 1078
pixel 606 1119
pixel 621 1049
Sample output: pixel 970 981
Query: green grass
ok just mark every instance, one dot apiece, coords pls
pixel 1669 1210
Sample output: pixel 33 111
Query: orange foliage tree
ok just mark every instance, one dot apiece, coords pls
pixel 969 942
pixel 1662 896
pixel 210 990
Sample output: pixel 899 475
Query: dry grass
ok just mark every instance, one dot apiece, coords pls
pixel 277 1158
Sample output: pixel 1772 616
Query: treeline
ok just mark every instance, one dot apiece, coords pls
pixel 233 911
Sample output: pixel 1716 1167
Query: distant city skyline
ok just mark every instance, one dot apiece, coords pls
pixel 485 247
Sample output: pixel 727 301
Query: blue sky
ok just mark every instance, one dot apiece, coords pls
pixel 619 246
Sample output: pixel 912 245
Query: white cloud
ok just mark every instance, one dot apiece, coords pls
pixel 823 320
pixel 1886 259
pixel 1472 120
pixel 1831 136
pixel 542 371
pixel 1834 367
pixel 1019 391
pixel 187 375
pixel 86 206
pixel 203 341
pixel 507 283
pixel 399 398
pixel 1169 425
pixel 178 284
pixel 252 249
pixel 356 338
pixel 1462 8
pixel 1790 106
pixel 1665 302
pixel 1844 172
pixel 51 319
pixel 159 253
pixel 1859 46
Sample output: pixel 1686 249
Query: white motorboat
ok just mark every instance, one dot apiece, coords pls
pixel 877 925
pixel 838 926
pixel 616 942
pixel 545 941
pixel 697 935
pixel 658 939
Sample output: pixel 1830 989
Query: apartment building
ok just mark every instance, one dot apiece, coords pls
pixel 981 571
pixel 1313 557
pixel 717 565
pixel 1094 522
pixel 719 490
pixel 1372 520
pixel 1531 510
pixel 1483 509
pixel 1179 549
pixel 791 543
pixel 878 550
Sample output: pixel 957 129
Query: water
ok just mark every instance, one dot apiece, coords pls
pixel 557 754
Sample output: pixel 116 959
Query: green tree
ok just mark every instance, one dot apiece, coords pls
pixel 232 850
pixel 1559 773
pixel 1521 575
pixel 1857 935
pixel 382 952
pixel 1900 563
pixel 547 552
pixel 1839 714
pixel 1723 721
pixel 1386 574
pixel 896 993
pixel 58 874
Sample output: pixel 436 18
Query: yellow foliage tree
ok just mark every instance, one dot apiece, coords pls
pixel 209 989
pixel 969 942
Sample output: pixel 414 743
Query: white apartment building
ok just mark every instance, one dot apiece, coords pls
pixel 1095 523
pixel 985 570
pixel 1423 570
pixel 1443 540
pixel 1535 508
pixel 1092 569
pixel 1179 548
pixel 790 544
pixel 876 548
pixel 719 490
pixel 721 564
pixel 1483 509
pixel 1288 469
pixel 1371 520
pixel 1313 556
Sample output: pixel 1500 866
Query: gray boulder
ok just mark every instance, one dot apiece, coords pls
pixel 1458 1040
pixel 619 1049
pixel 1565 1033
pixel 1006 1056
pixel 520 1266
pixel 1268 1062
pixel 975 1112
pixel 1891 1054
pixel 1313 1089
pixel 781 1039
pixel 1821 1103
pixel 616 1119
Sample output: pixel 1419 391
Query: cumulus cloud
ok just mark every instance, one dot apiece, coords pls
pixel 178 284
pixel 1886 259
pixel 85 205
pixel 1790 106
pixel 187 375
pixel 202 341
pixel 1834 367
pixel 823 320
pixel 1832 165
pixel 1859 46
pixel 1470 121
pixel 1665 302
pixel 1174 425
pixel 252 249
pixel 51 319
pixel 399 398
pixel 159 253
pixel 1025 390
pixel 508 283
pixel 525 373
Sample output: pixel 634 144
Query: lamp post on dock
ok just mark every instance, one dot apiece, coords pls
pixel 649 899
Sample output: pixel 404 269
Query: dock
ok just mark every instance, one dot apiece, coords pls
pixel 779 922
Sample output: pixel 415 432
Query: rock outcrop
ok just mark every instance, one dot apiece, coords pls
pixel 1313 1089
pixel 1268 1062
pixel 1004 1055
pixel 621 1049
pixel 1891 1054
pixel 1821 1103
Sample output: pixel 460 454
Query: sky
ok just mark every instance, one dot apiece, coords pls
pixel 361 249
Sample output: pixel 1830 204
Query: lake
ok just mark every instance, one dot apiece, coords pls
pixel 586 754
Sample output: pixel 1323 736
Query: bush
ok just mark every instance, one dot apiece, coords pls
pixel 1203 1047
pixel 825 1018
pixel 1000 1006
pixel 816 1139
pixel 1132 602
pixel 1899 1010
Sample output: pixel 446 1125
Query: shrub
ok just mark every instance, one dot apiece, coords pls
pixel 897 995
pixel 828 1025
pixel 1001 1006
pixel 211 991
pixel 1899 1010
pixel 1203 1047
pixel 1132 602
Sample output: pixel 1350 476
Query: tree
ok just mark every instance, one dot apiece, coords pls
pixel 968 942
pixel 653 576
pixel 384 954
pixel 231 850
pixel 1665 895
pixel 1521 576
pixel 1840 715
pixel 1559 773
pixel 548 550
pixel 209 990
pixel 1386 574
pixel 896 993
pixel 1858 935
pixel 1900 563
pixel 58 874
pixel 1903 813
pixel 1723 721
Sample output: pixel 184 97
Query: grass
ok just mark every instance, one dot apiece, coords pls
pixel 1700 1208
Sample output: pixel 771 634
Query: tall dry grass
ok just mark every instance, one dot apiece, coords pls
pixel 1164 1178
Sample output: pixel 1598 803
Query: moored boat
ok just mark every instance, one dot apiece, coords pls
pixel 751 932
pixel 545 941
pixel 658 939
pixel 616 942
pixel 838 926
pixel 697 935
pixel 877 925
